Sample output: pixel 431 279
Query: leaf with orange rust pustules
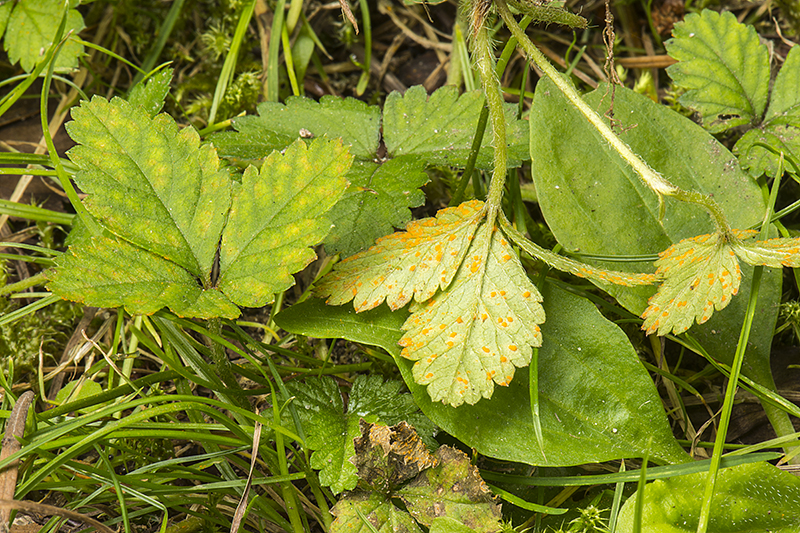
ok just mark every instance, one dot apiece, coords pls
pixel 772 253
pixel 700 274
pixel 478 331
pixel 407 264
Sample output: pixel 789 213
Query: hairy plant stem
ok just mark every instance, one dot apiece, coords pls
pixel 655 181
pixel 482 50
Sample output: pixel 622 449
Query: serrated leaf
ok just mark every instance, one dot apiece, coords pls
pixel 150 94
pixel 747 498
pixel 440 128
pixel 370 512
pixel 330 430
pixel 114 273
pixel 33 25
pixel 5 12
pixel 453 489
pixel 781 127
pixel 773 252
pixel 411 264
pixel 376 202
pixel 724 67
pixel 278 125
pixel 477 331
pixel 151 183
pixel 265 242
pixel 700 274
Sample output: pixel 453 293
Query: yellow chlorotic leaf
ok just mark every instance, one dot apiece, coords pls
pixel 411 263
pixel 772 253
pixel 476 332
pixel 700 274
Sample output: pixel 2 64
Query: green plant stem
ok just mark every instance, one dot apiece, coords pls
pixel 477 140
pixel 482 50
pixel 273 81
pixel 650 177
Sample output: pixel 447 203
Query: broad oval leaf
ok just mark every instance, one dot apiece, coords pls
pixel 595 204
pixel 747 498
pixel 597 402
pixel 724 66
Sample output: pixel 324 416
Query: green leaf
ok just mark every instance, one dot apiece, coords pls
pixel 278 125
pixel 110 272
pixel 724 67
pixel 781 127
pixel 584 356
pixel 440 128
pixel 330 430
pixel 266 241
pixel 32 27
pixel 772 252
pixel 167 199
pixel 151 94
pixel 377 202
pixel 370 512
pixel 312 318
pixel 479 329
pixel 747 498
pixel 151 183
pixel 453 489
pixel 595 204
pixel 5 11
pixel 405 265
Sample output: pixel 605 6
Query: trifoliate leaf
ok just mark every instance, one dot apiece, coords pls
pixel 278 125
pixel 370 512
pixel 376 202
pixel 110 272
pixel 411 264
pixel 33 25
pixel 724 67
pixel 167 199
pixel 151 183
pixel 330 430
pixel 151 94
pixel 479 329
pixel 781 127
pixel 267 241
pixel 440 128
pixel 453 489
pixel 700 274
